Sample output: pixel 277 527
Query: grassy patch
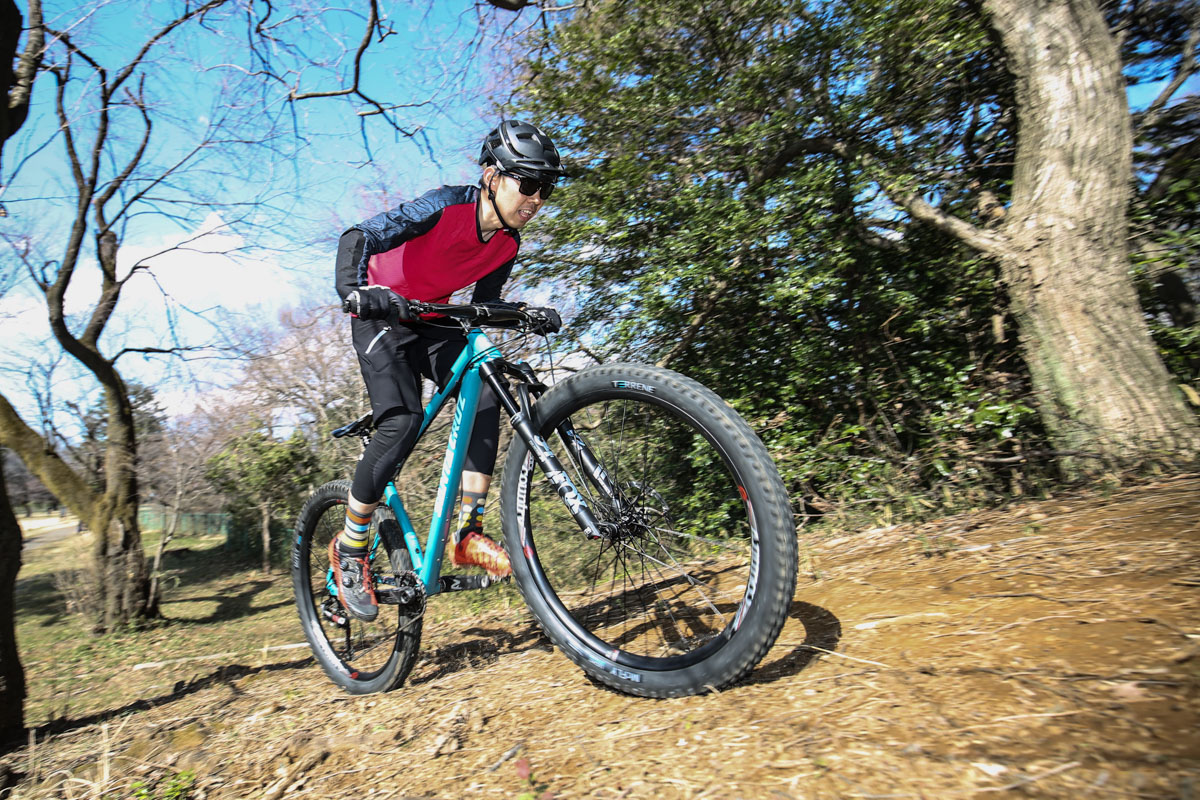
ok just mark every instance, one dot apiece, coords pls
pixel 217 611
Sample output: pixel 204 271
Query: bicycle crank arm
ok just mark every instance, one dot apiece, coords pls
pixel 467 583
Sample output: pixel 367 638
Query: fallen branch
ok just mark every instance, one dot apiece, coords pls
pixel 512 752
pixel 843 655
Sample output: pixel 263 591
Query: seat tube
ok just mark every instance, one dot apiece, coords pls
pixel 478 350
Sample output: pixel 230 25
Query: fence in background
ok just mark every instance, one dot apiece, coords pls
pixel 152 518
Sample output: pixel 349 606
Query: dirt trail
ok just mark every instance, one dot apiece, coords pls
pixel 1048 650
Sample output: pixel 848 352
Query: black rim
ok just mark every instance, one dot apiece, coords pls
pixel 664 588
pixel 363 649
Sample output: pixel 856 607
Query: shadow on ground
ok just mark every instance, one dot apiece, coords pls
pixel 225 674
pixel 822 631
pixel 230 606
pixel 487 648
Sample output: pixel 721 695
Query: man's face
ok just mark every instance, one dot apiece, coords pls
pixel 516 208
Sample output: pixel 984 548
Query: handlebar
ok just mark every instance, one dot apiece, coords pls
pixel 498 314
pixel 478 313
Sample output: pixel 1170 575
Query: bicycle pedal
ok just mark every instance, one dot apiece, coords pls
pixel 403 590
pixel 334 613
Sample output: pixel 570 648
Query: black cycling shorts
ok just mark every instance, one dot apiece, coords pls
pixel 393 362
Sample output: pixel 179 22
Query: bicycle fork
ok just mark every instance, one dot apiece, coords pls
pixel 521 418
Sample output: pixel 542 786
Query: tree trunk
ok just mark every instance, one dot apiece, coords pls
pixel 167 535
pixel 120 559
pixel 266 538
pixel 18 70
pixel 120 586
pixel 12 675
pixel 1102 387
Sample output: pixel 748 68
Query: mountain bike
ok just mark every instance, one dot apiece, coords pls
pixel 649 531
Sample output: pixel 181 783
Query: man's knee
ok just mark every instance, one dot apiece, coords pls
pixel 395 423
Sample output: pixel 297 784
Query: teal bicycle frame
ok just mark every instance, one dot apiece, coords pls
pixel 465 377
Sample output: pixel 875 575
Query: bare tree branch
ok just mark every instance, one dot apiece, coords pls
pixel 156 38
pixel 1187 68
pixel 18 82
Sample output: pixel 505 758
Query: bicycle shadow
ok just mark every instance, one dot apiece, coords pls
pixel 225 674
pixel 480 652
pixel 822 631
pixel 822 628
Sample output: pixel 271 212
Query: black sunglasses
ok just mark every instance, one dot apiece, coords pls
pixel 531 186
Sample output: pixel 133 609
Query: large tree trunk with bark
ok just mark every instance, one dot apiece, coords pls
pixel 12 675
pixel 1102 387
pixel 123 587
pixel 120 585
pixel 118 544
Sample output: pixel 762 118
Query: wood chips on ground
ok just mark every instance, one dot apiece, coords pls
pixel 1048 650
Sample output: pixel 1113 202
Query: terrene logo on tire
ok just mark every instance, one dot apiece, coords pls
pixel 641 387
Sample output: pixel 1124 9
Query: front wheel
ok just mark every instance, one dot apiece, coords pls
pixel 361 657
pixel 692 578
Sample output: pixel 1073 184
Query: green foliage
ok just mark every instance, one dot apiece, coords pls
pixel 720 219
pixel 175 787
pixel 256 471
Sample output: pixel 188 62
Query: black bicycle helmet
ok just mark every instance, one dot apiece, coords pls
pixel 523 149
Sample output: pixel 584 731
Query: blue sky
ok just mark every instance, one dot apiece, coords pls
pixel 335 179
pixel 340 173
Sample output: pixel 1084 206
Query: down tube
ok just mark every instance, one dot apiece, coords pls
pixel 478 350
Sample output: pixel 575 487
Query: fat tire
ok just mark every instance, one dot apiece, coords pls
pixel 768 512
pixel 309 543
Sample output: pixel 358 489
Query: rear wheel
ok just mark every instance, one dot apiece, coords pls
pixel 361 657
pixel 691 581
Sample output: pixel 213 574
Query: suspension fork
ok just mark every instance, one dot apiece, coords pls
pixel 521 415
pixel 590 466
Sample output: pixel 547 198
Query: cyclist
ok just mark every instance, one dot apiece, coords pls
pixel 428 249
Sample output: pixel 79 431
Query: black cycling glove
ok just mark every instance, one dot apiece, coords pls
pixel 378 302
pixel 546 320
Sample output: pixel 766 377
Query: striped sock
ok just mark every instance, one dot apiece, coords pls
pixel 353 539
pixel 470 514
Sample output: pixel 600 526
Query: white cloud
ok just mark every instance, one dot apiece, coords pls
pixel 185 290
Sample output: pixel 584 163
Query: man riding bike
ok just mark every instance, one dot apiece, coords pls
pixel 426 250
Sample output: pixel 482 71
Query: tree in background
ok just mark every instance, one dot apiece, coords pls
pixel 805 204
pixel 25 491
pixel 87 451
pixel 173 474
pixel 1063 247
pixel 12 676
pixel 131 156
pixel 257 471
pixel 1158 43
pixel 301 371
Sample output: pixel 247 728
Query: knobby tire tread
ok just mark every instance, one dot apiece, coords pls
pixel 404 655
pixel 771 509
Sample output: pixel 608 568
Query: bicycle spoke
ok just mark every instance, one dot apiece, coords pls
pixel 643 588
